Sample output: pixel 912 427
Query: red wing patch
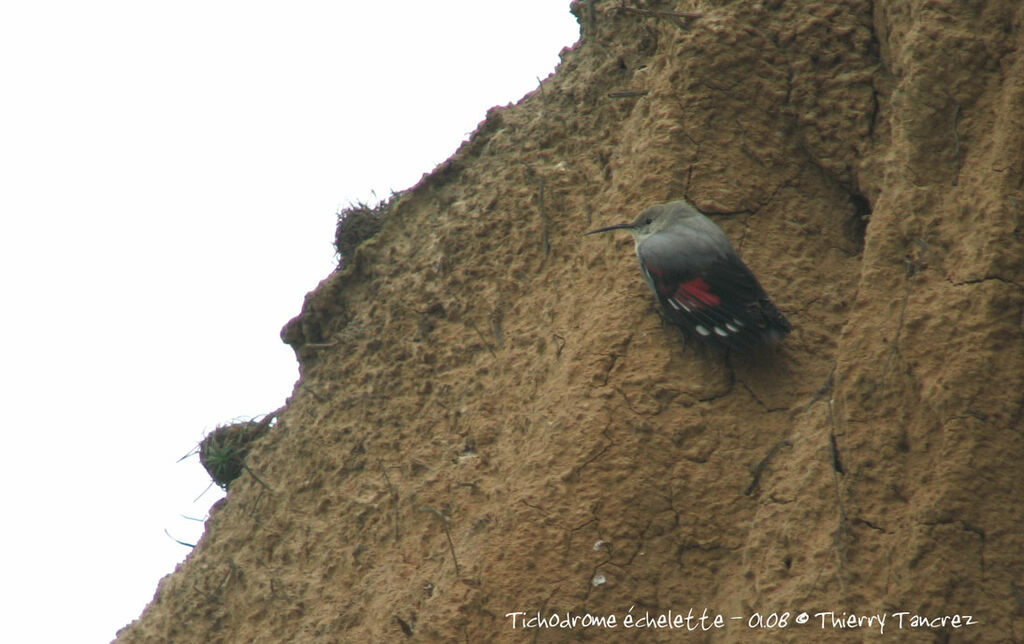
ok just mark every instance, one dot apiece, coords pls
pixel 696 291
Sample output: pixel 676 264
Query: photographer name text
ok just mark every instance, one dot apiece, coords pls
pixel 707 620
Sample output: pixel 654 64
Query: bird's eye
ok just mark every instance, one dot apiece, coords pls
pixel 647 222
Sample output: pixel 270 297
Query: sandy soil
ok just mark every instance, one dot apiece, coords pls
pixel 491 417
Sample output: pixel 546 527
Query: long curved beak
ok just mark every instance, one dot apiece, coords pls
pixel 624 226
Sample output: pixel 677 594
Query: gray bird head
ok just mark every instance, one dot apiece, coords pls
pixel 661 218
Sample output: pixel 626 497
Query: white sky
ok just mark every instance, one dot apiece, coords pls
pixel 169 178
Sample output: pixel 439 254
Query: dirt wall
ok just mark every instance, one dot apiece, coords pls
pixel 491 418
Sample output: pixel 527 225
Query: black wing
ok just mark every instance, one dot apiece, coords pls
pixel 712 295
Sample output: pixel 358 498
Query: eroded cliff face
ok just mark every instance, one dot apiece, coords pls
pixel 491 417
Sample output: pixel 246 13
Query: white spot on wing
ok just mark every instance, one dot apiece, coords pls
pixel 701 329
pixel 673 304
pixel 683 304
pixel 731 327
pixel 737 322
pixel 721 332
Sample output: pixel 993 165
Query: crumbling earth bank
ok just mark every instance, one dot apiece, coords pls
pixel 492 419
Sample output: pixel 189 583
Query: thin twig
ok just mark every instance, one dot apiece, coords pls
pixel 313 392
pixel 559 344
pixel 956 139
pixel 394 494
pixel 544 244
pixel 258 479
pixel 444 524
pixel 824 389
pixel 756 472
pixel 190 545
pixel 689 15
pixel 203 492
pixel 842 530
pixel 483 339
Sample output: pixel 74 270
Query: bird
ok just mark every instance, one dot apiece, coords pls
pixel 702 285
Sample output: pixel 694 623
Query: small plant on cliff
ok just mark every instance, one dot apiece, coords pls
pixel 356 224
pixel 222 452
